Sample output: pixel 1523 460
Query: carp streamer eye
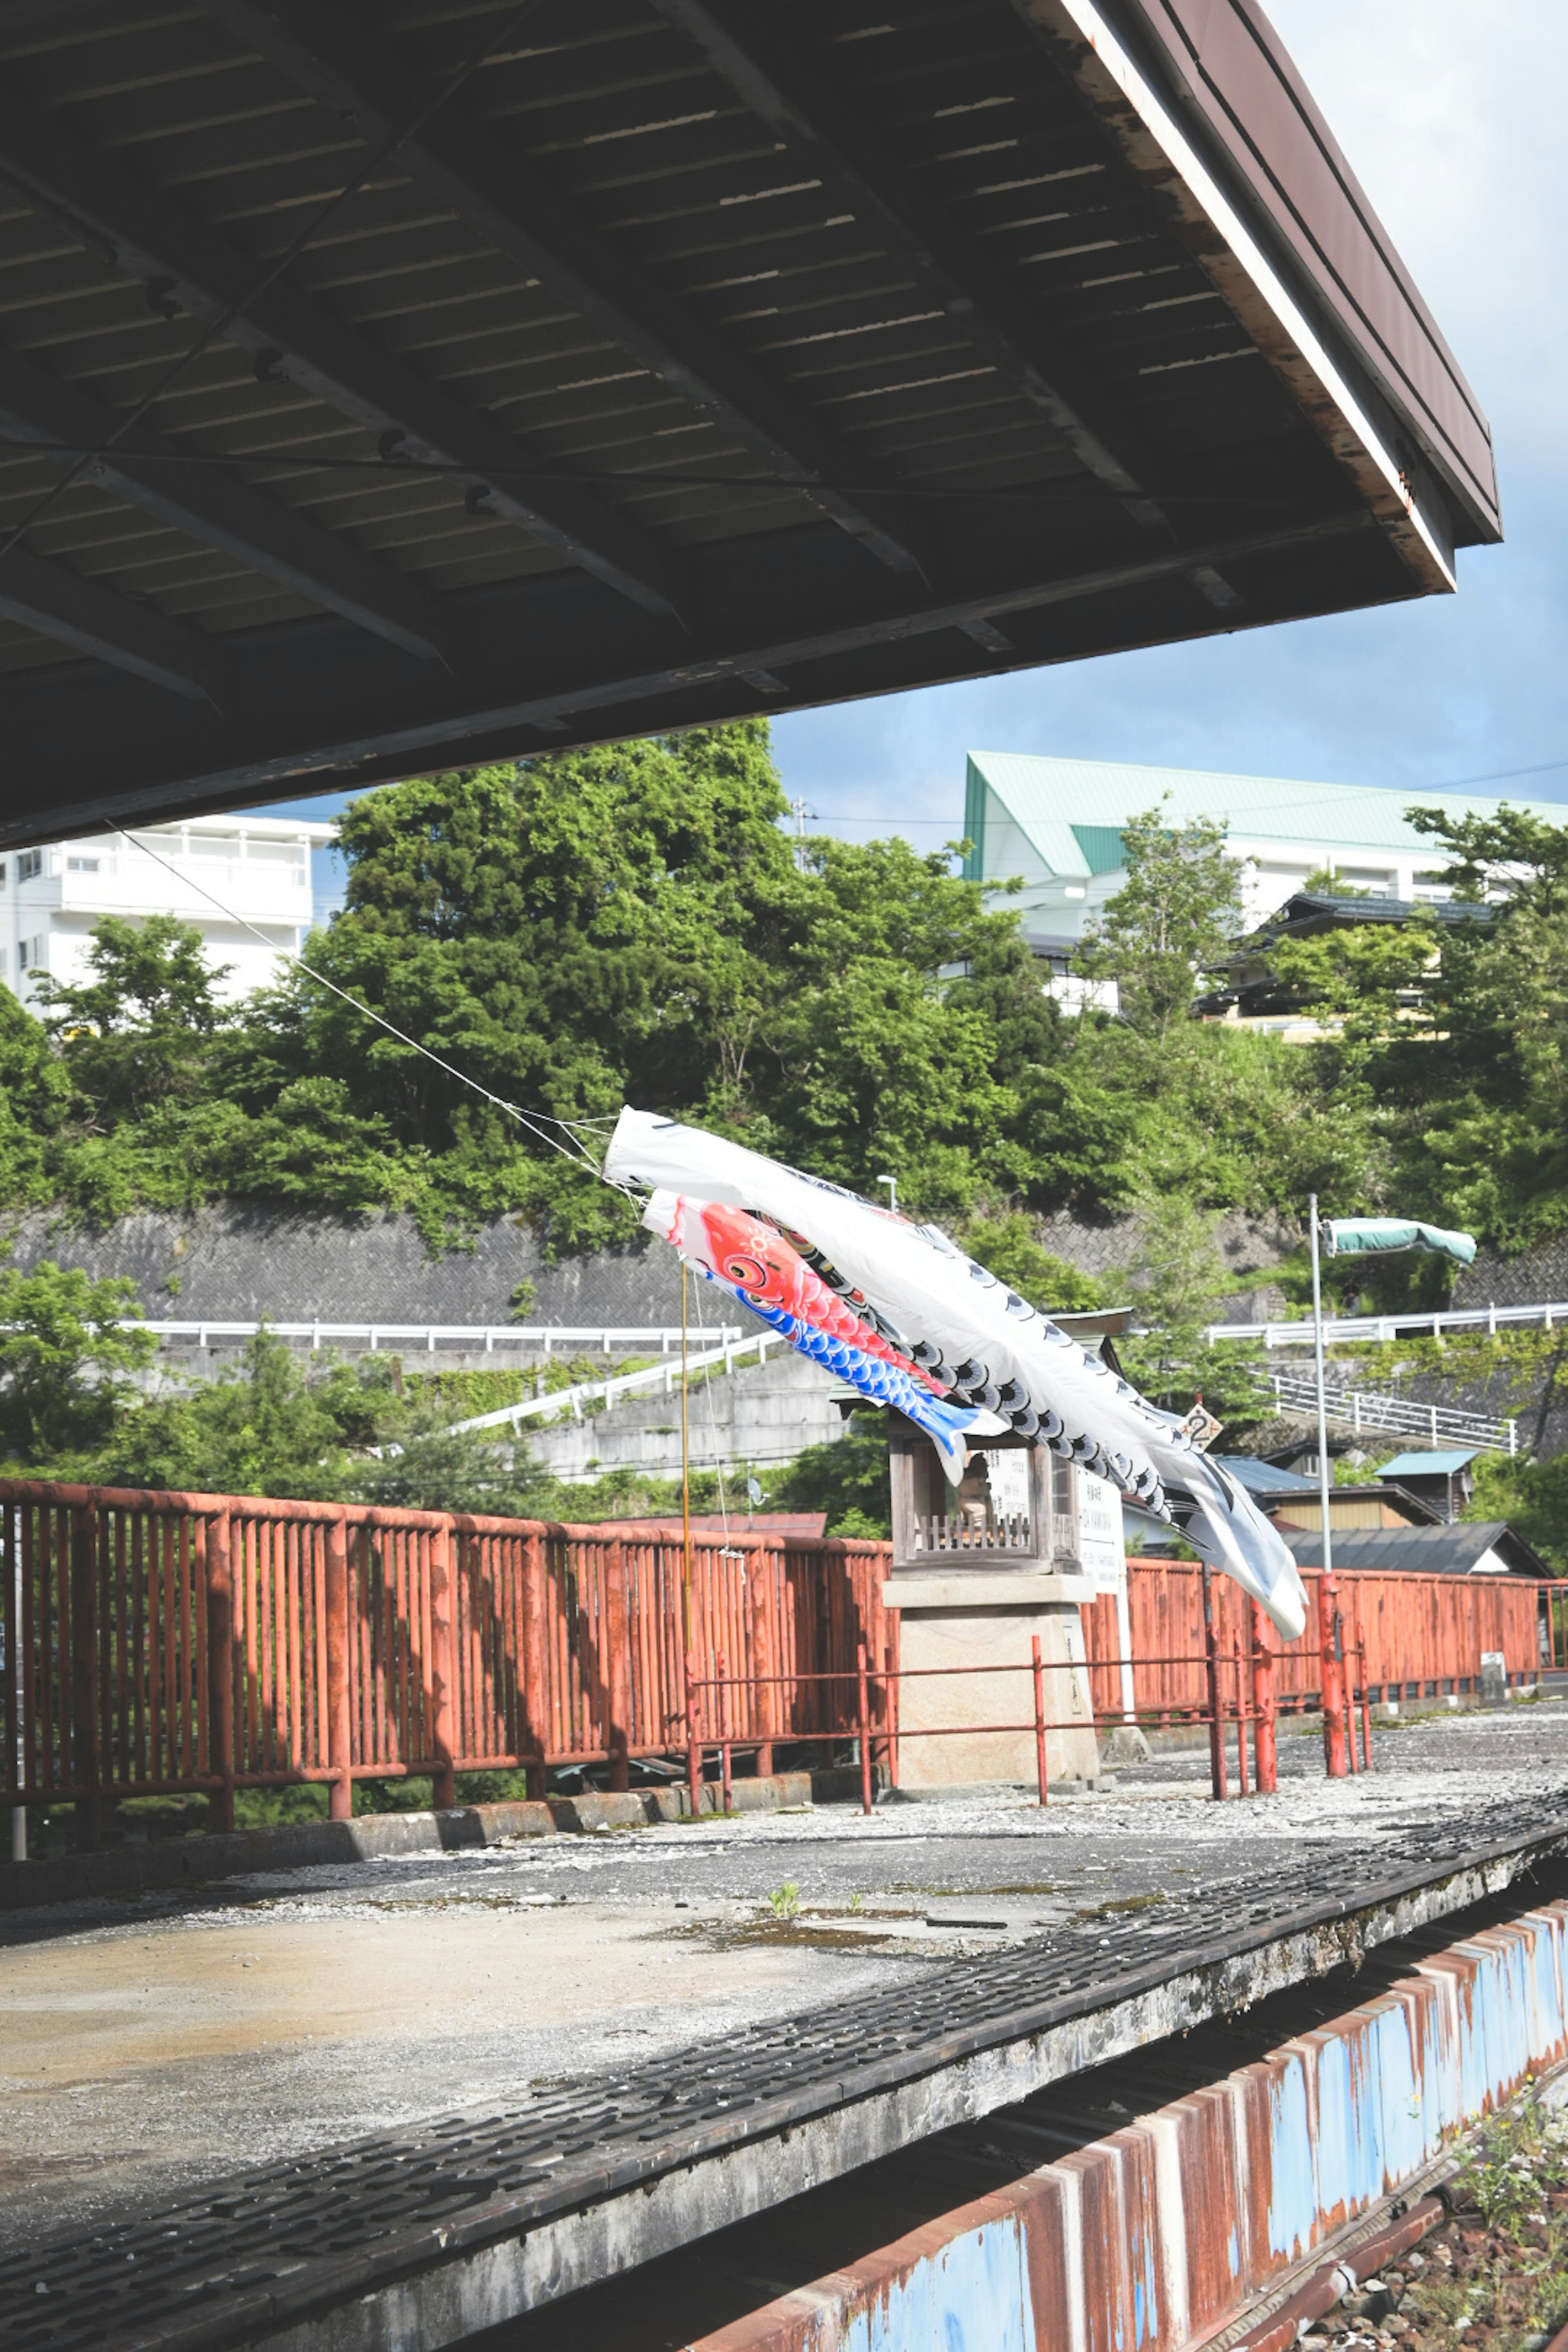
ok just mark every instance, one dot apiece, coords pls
pixel 749 1272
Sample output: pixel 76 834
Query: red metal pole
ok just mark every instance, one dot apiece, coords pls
pixel 891 1687
pixel 764 1567
pixel 1366 1699
pixel 85 1757
pixel 864 1697
pixel 341 1790
pixel 1219 1782
pixel 1039 1718
pixel 1349 1670
pixel 1241 1784
pixel 618 1681
pixel 1331 1644
pixel 693 1752
pixel 724 1780
pixel 444 1668
pixel 220 1670
pixel 1263 1688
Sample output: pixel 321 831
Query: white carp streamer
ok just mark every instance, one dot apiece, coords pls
pixel 981 1343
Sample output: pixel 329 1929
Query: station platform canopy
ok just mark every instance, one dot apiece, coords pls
pixel 394 384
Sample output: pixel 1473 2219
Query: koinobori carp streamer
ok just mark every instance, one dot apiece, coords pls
pixel 980 1344
pixel 760 1267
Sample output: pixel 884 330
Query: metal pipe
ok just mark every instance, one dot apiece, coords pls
pixel 1241 1786
pixel 1265 1743
pixel 693 1752
pixel 724 1780
pixel 1039 1720
pixel 1219 1783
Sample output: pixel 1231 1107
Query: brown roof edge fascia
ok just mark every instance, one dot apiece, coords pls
pixel 1124 59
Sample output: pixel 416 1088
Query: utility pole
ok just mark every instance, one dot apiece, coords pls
pixel 800 809
pixel 892 1184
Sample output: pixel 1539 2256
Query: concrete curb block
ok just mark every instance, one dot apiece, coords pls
pixel 135 1869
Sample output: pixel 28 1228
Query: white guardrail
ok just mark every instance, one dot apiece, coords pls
pixel 1380 1328
pixel 723 1358
pixel 1396 1416
pixel 472 1337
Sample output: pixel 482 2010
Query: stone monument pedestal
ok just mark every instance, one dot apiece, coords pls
pixel 971 1617
pixel 976 1574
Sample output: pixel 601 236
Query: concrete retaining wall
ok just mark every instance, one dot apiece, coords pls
pixel 756 1416
pixel 1159 2235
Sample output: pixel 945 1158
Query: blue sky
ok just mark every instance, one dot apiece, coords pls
pixel 1449 111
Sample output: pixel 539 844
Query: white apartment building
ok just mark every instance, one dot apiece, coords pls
pixel 1056 823
pixel 257 868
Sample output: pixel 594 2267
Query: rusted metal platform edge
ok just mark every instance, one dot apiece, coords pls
pixel 433 2283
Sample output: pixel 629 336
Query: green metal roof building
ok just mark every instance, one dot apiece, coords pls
pixel 1057 823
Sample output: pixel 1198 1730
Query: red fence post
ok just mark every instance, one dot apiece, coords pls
pixel 618 1678
pixel 764 1567
pixel 1331 1644
pixel 891 1710
pixel 863 1718
pixel 535 1673
pixel 693 1752
pixel 443 1668
pixel 1039 1673
pixel 1219 1782
pixel 220 1669
pixel 85 1760
pixel 340 1719
pixel 1241 1785
pixel 1265 1748
pixel 1366 1699
pixel 725 1783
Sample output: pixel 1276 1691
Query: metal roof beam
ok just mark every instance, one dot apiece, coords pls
pixel 217 508
pixel 741 43
pixel 744 49
pixel 93 619
pixel 461 162
pixel 288 333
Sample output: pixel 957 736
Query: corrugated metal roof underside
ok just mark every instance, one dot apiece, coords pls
pixel 810 332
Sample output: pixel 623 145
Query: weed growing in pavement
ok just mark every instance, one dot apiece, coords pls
pixel 785 1901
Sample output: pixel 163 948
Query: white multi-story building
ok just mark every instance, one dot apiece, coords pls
pixel 258 869
pixel 1056 823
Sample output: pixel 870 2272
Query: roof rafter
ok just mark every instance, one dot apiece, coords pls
pixel 463 163
pixel 60 604
pixel 218 509
pixel 744 47
pixel 291 334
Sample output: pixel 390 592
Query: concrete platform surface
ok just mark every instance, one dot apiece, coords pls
pixel 155 2044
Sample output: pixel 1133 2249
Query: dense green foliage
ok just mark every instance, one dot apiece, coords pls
pixel 631 924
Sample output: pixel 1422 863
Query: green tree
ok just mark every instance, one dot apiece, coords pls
pixel 1005 1245
pixel 137 1033
pixel 1179 1288
pixel 1176 915
pixel 63 1355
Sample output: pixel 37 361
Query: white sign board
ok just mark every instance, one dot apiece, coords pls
pixel 1102 1546
pixel 1008 1467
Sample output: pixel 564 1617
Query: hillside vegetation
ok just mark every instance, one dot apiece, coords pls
pixel 631 924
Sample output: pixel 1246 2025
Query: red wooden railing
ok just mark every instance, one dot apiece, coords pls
pixel 170 1642
pixel 155 1643
pixel 1424 1635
